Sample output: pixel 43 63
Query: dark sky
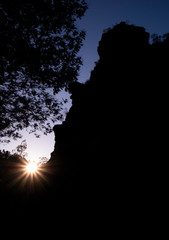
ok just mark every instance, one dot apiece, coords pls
pixel 153 15
pixel 102 14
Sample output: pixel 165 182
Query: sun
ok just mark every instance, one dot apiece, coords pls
pixel 26 173
pixel 31 167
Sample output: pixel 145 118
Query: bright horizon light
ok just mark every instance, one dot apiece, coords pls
pixel 31 167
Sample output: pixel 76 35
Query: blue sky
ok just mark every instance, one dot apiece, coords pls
pixel 102 14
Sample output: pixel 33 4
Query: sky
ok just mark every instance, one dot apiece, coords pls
pixel 153 15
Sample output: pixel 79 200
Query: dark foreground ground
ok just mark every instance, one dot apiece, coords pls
pixel 90 201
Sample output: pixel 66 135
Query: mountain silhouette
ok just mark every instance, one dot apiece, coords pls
pixel 112 126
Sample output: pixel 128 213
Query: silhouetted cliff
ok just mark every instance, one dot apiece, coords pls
pixel 111 133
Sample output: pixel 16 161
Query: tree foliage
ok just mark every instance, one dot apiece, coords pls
pixel 39 43
pixel 21 149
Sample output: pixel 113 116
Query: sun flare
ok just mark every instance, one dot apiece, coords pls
pixel 26 173
pixel 31 167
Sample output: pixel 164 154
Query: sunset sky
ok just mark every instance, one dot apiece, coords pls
pixel 153 15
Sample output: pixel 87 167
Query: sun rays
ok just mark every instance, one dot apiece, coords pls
pixel 28 175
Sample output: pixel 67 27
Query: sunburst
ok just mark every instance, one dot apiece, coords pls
pixel 28 173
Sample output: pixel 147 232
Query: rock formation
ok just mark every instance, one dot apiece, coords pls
pixel 111 129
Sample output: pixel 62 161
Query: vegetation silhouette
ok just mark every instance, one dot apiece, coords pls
pixel 39 57
pixel 107 146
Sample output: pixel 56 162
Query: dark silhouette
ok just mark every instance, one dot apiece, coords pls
pixel 111 140
pixel 113 122
pixel 107 147
pixel 39 46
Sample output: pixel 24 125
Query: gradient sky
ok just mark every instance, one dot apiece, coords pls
pixel 153 15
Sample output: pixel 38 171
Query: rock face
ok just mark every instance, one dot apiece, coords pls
pixel 111 129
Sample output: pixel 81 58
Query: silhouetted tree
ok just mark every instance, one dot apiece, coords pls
pixel 21 149
pixel 4 154
pixel 9 165
pixel 39 46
